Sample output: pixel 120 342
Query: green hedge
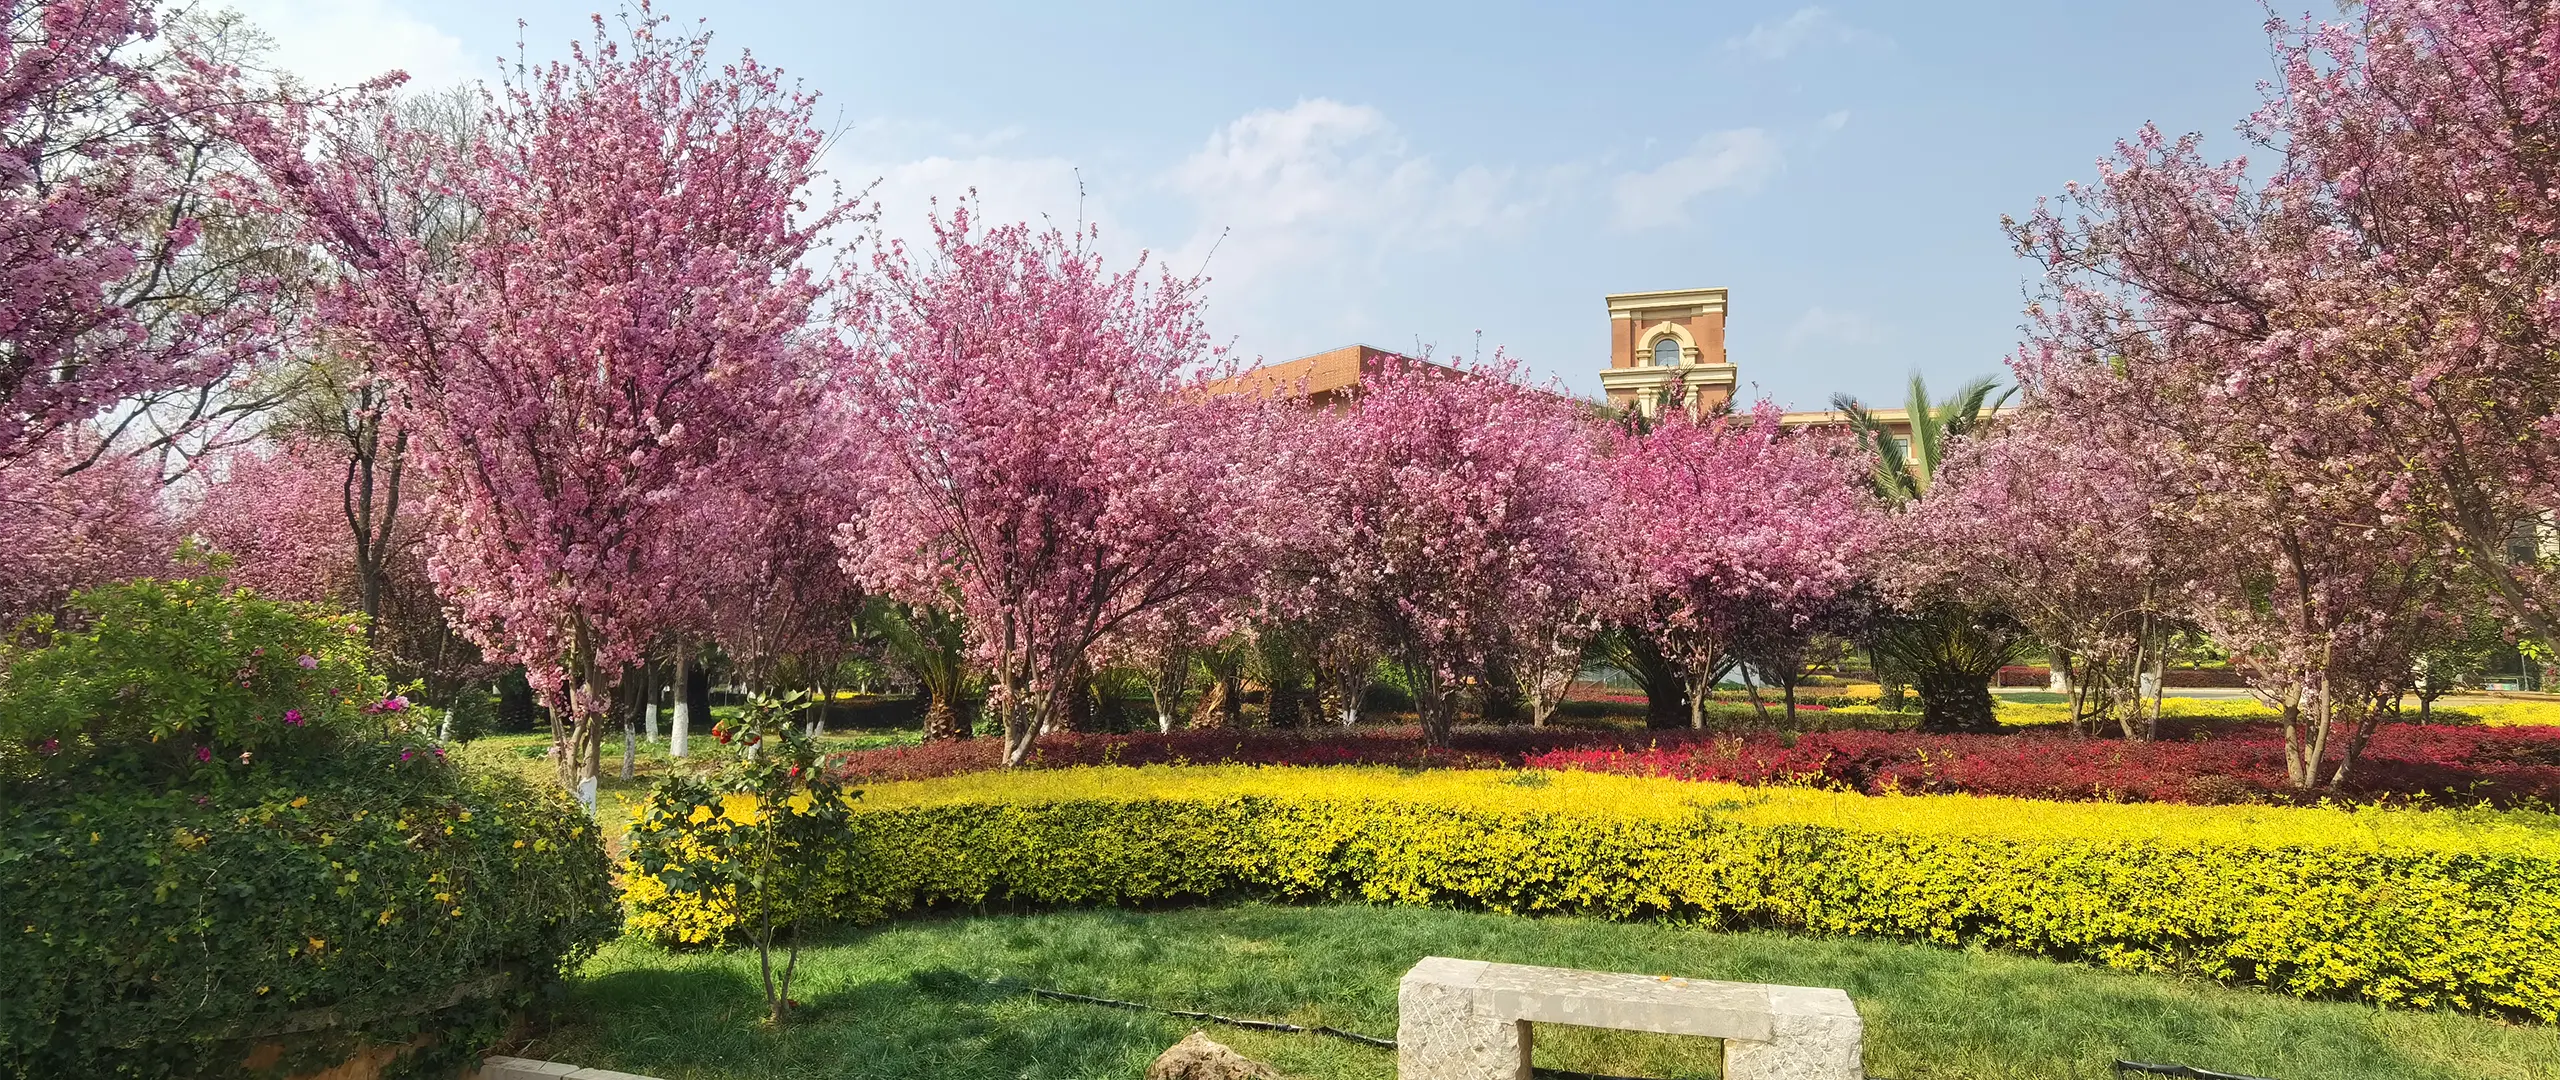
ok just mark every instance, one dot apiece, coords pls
pixel 2439 909
pixel 171 934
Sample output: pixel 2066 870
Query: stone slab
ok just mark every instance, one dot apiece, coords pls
pixel 1471 1019
pixel 515 1068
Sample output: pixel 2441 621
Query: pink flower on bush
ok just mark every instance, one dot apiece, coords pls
pixel 204 753
pixel 293 717
pixel 307 661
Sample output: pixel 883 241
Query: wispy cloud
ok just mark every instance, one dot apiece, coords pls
pixel 1806 28
pixel 1821 326
pixel 340 42
pixel 1321 181
pixel 1737 160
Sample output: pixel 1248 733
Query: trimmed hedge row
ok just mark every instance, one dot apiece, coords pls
pixel 2443 909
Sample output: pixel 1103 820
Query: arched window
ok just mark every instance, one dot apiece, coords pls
pixel 1666 351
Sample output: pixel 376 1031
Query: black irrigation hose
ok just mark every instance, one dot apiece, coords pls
pixel 1257 1025
pixel 2187 1072
pixel 2190 1072
pixel 1293 1029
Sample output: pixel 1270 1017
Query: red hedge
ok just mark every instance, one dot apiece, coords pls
pixel 2197 761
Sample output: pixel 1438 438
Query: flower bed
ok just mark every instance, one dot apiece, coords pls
pixel 2199 761
pixel 2236 763
pixel 2453 909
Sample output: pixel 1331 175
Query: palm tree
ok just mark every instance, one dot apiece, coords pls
pixel 1946 648
pixel 932 645
pixel 1903 476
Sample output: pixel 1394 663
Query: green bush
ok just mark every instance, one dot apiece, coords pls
pixel 210 845
pixel 175 681
pixel 2434 910
pixel 168 934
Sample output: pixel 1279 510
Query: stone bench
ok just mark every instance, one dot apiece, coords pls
pixel 1469 1020
pixel 515 1068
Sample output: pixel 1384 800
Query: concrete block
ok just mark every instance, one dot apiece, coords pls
pixel 515 1068
pixel 1470 1020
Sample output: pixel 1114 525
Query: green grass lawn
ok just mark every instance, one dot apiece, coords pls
pixel 935 998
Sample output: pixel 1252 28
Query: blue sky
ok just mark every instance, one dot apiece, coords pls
pixel 1414 174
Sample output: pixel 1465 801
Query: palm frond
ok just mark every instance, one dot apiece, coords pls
pixel 1891 476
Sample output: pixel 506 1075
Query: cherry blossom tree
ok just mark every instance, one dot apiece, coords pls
pixel 2072 526
pixel 301 519
pixel 608 341
pixel 2209 321
pixel 65 530
pixel 1454 507
pixel 128 277
pixel 1037 445
pixel 1734 528
pixel 775 596
pixel 2388 293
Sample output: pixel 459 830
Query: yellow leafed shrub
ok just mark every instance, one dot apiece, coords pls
pixel 2435 909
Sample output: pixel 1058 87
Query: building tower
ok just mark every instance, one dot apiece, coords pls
pixel 1662 340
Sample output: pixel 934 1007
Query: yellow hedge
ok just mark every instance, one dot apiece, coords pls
pixel 2434 909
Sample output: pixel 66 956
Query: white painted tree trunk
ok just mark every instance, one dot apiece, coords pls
pixel 651 713
pixel 683 726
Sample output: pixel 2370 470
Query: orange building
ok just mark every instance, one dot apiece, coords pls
pixel 1324 380
pixel 1663 344
pixel 1660 344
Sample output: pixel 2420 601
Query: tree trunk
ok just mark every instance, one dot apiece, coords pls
pixel 516 702
pixel 1956 702
pixel 697 690
pixel 1501 685
pixel 680 727
pixel 1284 705
pixel 1432 703
pixel 1222 707
pixel 942 720
pixel 1080 709
pixel 1759 709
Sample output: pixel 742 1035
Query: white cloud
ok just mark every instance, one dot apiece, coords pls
pixel 1811 27
pixel 1321 181
pixel 341 42
pixel 1737 160
pixel 1823 326
pixel 1836 121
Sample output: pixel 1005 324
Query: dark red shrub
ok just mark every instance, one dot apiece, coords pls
pixel 2196 762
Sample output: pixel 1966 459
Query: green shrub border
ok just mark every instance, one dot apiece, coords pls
pixel 2477 932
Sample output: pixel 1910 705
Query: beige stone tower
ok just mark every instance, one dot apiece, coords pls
pixel 1658 340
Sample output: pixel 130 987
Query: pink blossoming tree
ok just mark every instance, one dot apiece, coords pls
pixel 1037 449
pixel 2073 526
pixel 63 530
pixel 610 338
pixel 1453 511
pixel 2244 339
pixel 1734 530
pixel 2371 326
pixel 127 278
